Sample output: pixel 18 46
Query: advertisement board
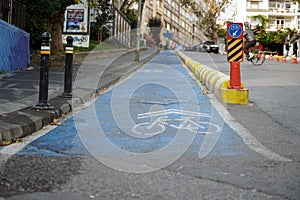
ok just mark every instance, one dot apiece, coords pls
pixel 78 40
pixel 75 21
pixel 76 24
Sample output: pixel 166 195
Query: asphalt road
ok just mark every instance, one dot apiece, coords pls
pixel 273 87
pixel 158 135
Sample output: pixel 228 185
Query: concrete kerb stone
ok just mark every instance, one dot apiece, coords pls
pixel 24 122
pixel 194 67
pixel 206 75
pixel 187 62
pixel 210 78
pixel 200 71
pixel 216 79
pixel 216 82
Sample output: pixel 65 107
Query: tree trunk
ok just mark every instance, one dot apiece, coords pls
pixel 216 36
pixel 56 28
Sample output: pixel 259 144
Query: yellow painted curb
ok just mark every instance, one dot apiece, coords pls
pixel 216 82
pixel 194 67
pixel 234 96
pixel 187 61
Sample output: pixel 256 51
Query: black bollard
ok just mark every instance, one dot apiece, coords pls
pixel 44 72
pixel 68 68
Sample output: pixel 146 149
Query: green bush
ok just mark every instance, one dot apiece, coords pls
pixel 95 45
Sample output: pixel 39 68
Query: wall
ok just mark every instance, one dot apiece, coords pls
pixel 14 48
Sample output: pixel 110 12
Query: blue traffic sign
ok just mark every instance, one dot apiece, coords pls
pixel 168 35
pixel 235 30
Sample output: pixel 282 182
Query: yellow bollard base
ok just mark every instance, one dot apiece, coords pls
pixel 234 96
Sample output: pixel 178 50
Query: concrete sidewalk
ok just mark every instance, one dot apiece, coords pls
pixel 20 91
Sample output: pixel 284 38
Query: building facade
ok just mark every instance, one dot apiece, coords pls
pixel 282 13
pixel 178 21
pixel 13 12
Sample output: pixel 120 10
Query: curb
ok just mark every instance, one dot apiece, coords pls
pixel 216 82
pixel 26 121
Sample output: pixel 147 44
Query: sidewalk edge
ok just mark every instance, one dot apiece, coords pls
pixel 26 121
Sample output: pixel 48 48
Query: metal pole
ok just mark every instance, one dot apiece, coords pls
pixel 68 68
pixel 44 72
pixel 137 52
pixel 113 23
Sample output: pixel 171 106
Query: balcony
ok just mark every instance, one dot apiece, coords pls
pixel 273 27
pixel 282 12
pixel 160 10
pixel 256 10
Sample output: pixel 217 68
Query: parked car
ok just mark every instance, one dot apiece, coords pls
pixel 180 47
pixel 210 46
pixel 195 47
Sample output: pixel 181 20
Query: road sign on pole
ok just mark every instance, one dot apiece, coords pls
pixel 235 52
pixel 235 47
pixel 235 30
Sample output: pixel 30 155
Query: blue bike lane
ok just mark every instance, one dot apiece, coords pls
pixel 145 122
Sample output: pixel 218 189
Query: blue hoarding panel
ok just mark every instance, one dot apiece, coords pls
pixel 14 48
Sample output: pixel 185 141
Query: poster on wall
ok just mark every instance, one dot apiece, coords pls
pixel 77 25
pixel 75 21
pixel 78 40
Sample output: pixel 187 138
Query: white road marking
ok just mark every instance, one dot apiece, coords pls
pixel 246 135
pixel 14 148
pixel 243 132
pixel 172 111
pixel 10 150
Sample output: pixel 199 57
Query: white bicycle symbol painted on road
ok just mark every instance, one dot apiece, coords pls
pixel 187 121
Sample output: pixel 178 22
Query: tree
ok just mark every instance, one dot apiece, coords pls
pixel 263 20
pixel 207 12
pixel 222 32
pixel 132 15
pixel 127 5
pixel 273 39
pixel 45 15
pixel 155 26
pixel 48 15
pixel 56 22
pixel 103 17
pixel 130 12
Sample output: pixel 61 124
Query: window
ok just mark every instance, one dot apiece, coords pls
pixel 148 12
pixel 272 4
pixel 254 5
pixel 159 3
pixel 280 23
pixel 168 27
